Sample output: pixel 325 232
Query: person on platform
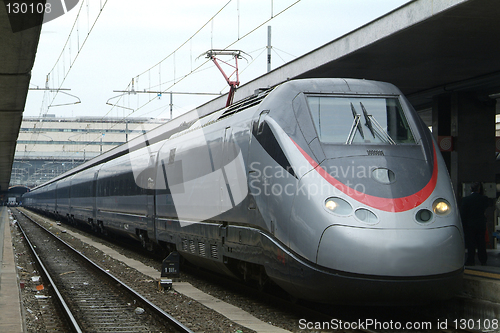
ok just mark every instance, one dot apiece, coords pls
pixel 474 223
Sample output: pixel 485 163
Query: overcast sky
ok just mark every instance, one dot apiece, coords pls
pixel 129 38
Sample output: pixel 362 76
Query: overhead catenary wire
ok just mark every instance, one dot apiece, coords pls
pixel 189 39
pixel 272 16
pixel 80 48
pixel 227 47
pixel 158 64
pixel 55 64
pixel 67 45
pixel 291 55
pixel 177 80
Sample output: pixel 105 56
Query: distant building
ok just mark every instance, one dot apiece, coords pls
pixel 49 146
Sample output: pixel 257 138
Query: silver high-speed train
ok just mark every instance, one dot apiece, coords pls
pixel 334 189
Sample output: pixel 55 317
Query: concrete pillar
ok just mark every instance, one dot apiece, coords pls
pixel 441 121
pixel 471 122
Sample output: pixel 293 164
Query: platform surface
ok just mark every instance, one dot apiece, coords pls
pixel 10 299
pixel 492 265
pixel 483 282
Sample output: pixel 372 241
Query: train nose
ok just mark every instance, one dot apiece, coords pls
pixel 391 252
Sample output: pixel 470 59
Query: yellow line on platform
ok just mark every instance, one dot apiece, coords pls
pixel 489 275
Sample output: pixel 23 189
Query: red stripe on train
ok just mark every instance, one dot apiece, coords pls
pixel 386 204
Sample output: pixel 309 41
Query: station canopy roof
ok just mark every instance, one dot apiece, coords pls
pixel 18 45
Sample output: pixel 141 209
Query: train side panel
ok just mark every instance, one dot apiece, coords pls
pixel 205 190
pixel 63 189
pixel 124 194
pixel 83 196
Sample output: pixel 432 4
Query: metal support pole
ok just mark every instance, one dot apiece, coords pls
pixel 171 105
pixel 269 48
pixel 126 130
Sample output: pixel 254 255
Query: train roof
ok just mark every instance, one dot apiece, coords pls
pixel 178 124
pixel 162 132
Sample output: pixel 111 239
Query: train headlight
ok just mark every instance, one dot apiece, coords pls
pixel 441 207
pixel 331 205
pixel 338 206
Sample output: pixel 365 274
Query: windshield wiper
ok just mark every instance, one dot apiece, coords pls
pixel 379 130
pixel 355 124
pixel 367 120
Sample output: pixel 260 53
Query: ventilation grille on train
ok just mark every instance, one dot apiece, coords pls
pixel 213 251
pixel 190 246
pixel 201 248
pixel 246 103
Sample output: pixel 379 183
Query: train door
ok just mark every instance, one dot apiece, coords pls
pixel 225 190
pixel 94 195
pixel 150 216
pixel 150 200
pixel 233 182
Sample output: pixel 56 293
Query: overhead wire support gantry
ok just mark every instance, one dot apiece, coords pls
pixel 56 90
pixel 132 91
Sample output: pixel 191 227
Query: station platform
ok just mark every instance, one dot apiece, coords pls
pixel 10 298
pixel 483 282
pixel 492 265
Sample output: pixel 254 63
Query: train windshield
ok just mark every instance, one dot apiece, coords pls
pixel 348 120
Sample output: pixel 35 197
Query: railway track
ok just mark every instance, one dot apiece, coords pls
pixel 91 299
pixel 316 314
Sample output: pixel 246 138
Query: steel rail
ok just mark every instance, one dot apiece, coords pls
pixel 75 327
pixel 155 309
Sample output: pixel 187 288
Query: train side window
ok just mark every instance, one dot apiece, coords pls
pixel 171 157
pixel 260 126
